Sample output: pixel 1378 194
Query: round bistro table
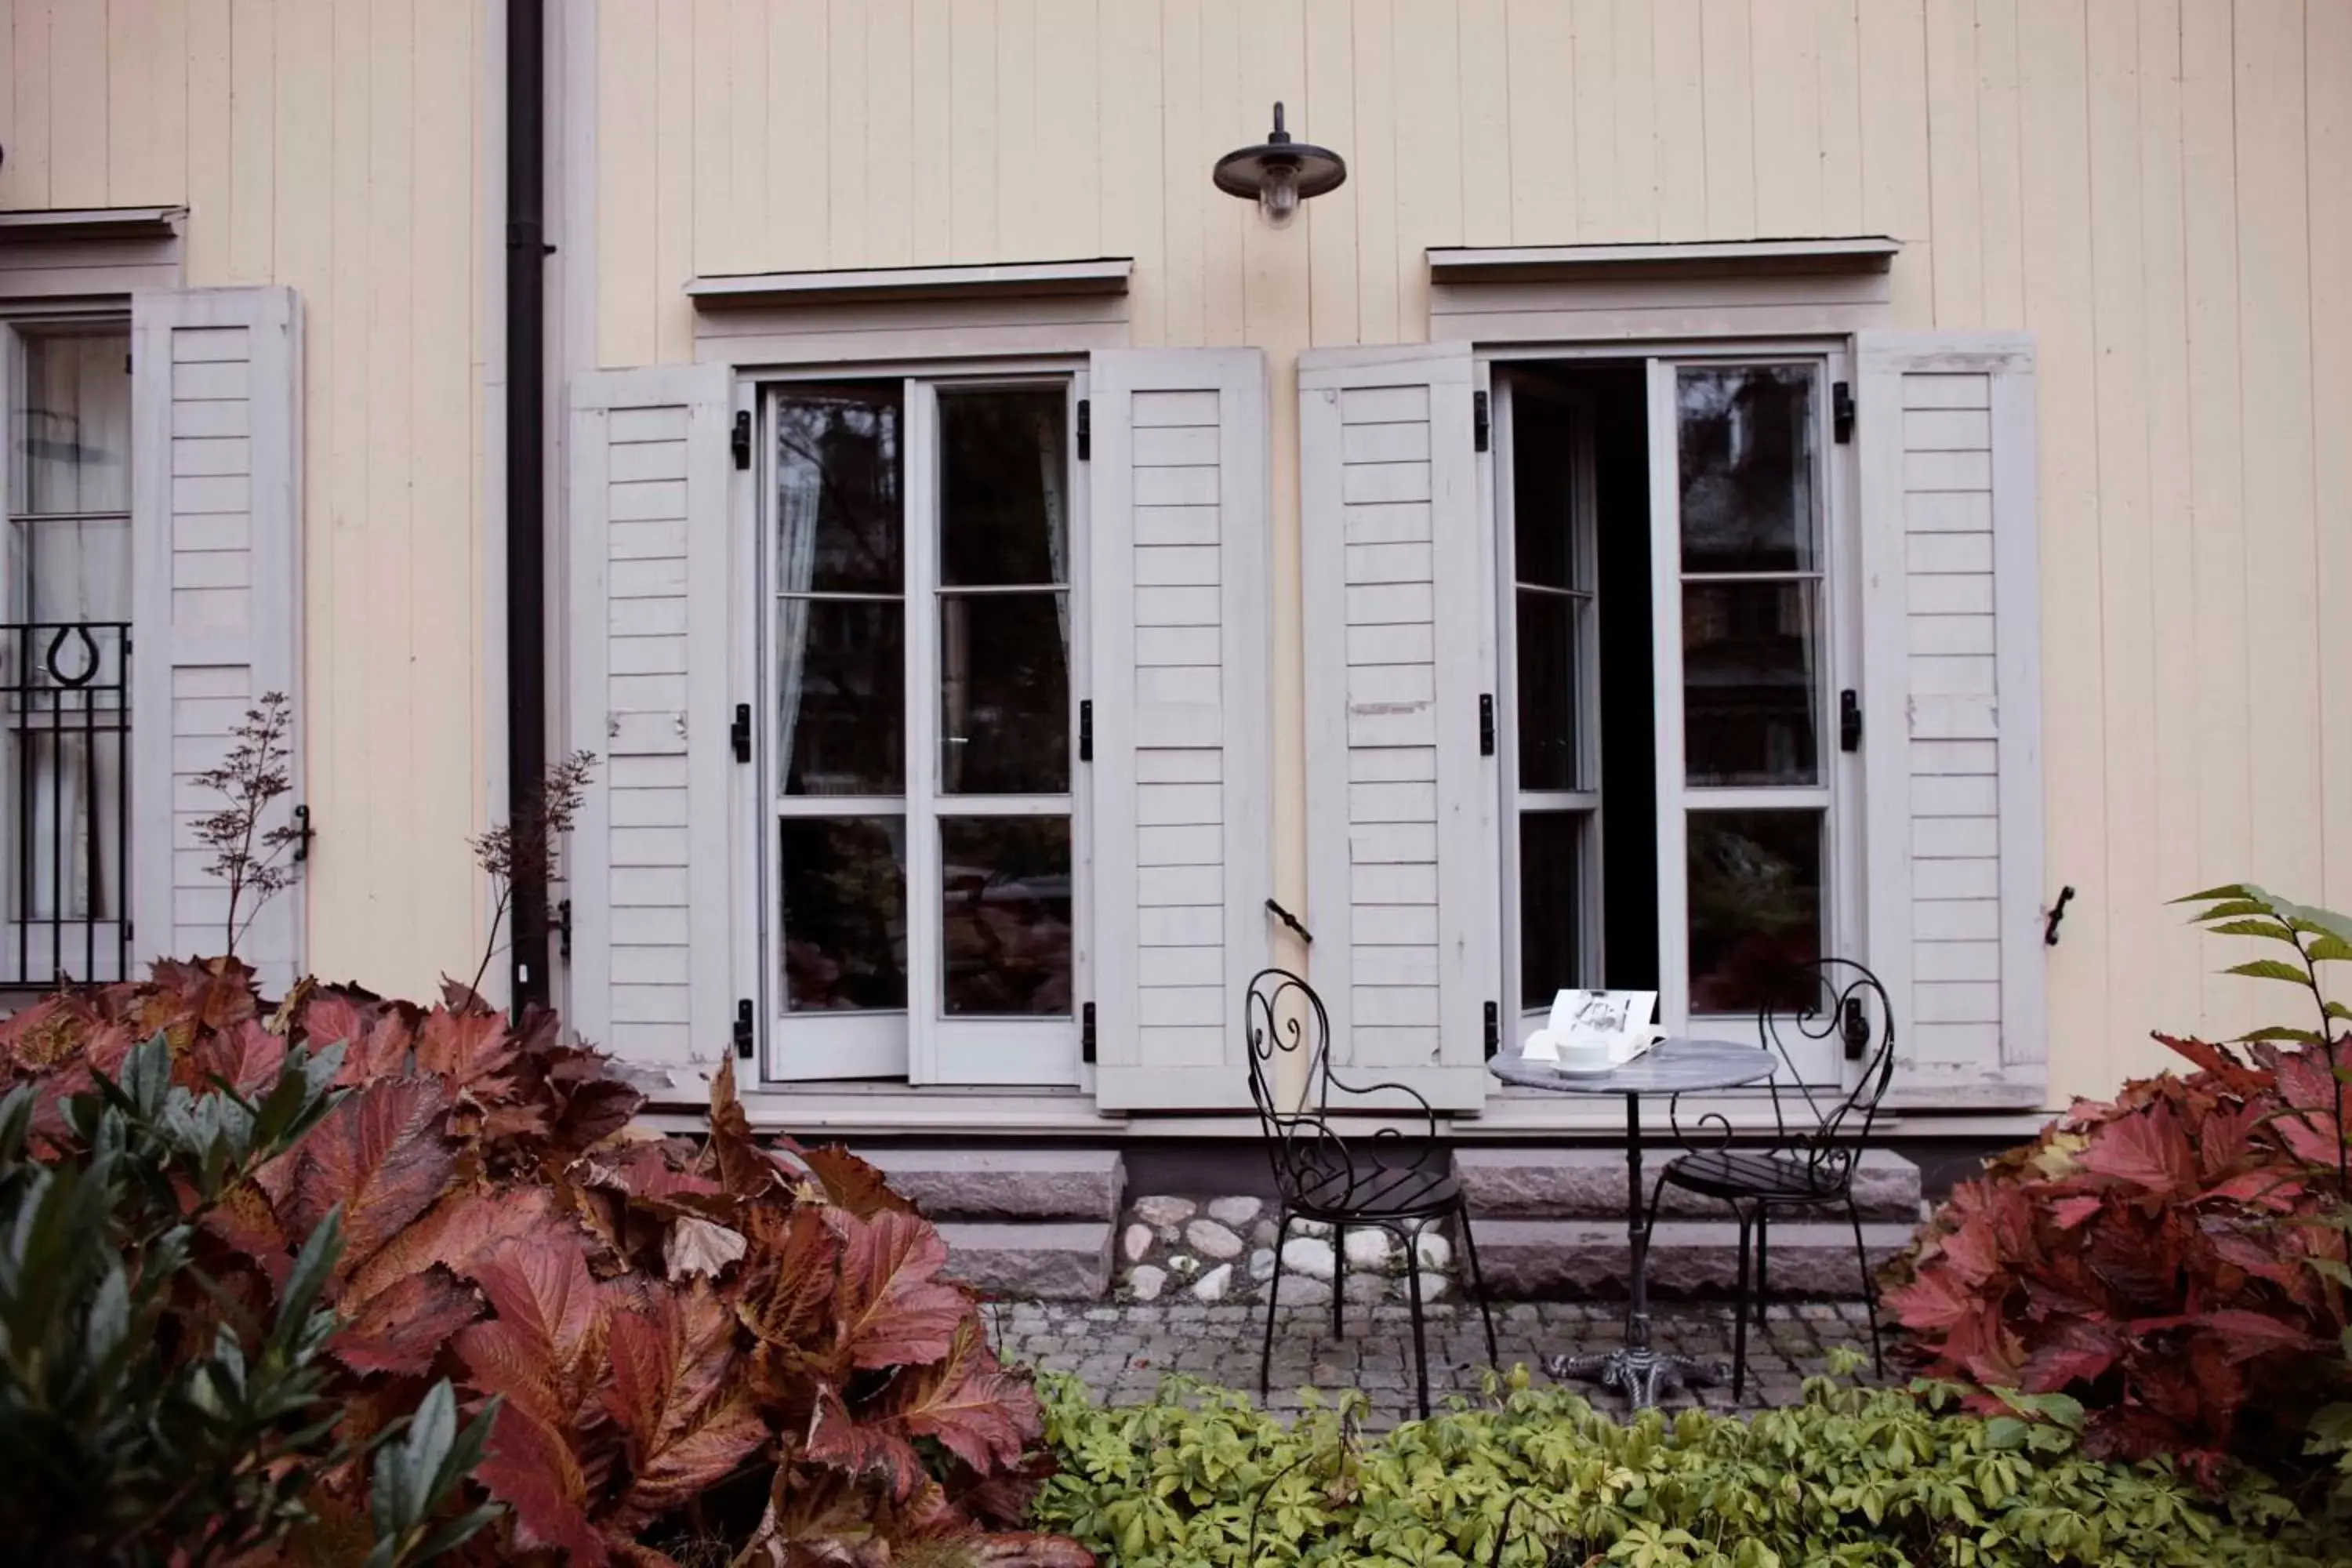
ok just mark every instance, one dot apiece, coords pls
pixel 1673 1066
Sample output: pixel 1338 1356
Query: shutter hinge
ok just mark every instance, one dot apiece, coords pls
pixel 1086 429
pixel 1480 427
pixel 743 1027
pixel 562 925
pixel 1086 1034
pixel 1853 1026
pixel 1841 411
pixel 1085 730
pixel 1849 720
pixel 738 733
pixel 1493 1030
pixel 303 834
pixel 741 442
pixel 1485 723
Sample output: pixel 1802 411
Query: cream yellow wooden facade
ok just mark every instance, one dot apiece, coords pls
pixel 2153 190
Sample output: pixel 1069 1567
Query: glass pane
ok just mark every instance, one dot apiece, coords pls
pixel 73 431
pixel 1005 694
pixel 838 517
pixel 1006 915
pixel 1543 495
pixel 841 706
pixel 1745 438
pixel 1755 905
pixel 1005 495
pixel 845 913
pixel 1750 692
pixel 1548 640
pixel 73 569
pixel 1551 892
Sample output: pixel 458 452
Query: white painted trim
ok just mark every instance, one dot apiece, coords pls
pixel 41 227
pixel 1561 263
pixel 1101 275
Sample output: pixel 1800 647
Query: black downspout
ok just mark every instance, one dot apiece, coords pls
pixel 526 366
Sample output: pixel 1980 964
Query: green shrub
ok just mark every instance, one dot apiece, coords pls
pixel 1200 1479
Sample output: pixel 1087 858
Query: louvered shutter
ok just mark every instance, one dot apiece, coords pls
pixel 1952 712
pixel 217 594
pixel 651 867
pixel 1402 855
pixel 1182 862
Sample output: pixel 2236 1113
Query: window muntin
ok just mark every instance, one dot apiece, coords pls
pixel 929 848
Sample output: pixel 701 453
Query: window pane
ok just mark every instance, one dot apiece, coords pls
pixel 1543 496
pixel 1548 642
pixel 1745 438
pixel 838 517
pixel 1005 694
pixel 1006 914
pixel 1751 691
pixel 841 706
pixel 1552 891
pixel 1004 494
pixel 73 434
pixel 1755 905
pixel 845 913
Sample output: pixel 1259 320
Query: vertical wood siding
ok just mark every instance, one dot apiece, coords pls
pixel 2141 186
pixel 336 146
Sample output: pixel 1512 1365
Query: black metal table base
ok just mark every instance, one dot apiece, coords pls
pixel 1640 1374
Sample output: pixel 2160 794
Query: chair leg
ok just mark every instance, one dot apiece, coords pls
pixel 1420 1342
pixel 1338 1278
pixel 1740 1316
pixel 1273 1292
pixel 1478 1284
pixel 1869 1287
pixel 1763 1266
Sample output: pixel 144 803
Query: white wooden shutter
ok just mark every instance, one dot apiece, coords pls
pixel 1181 668
pixel 1952 712
pixel 216 596
pixel 651 869
pixel 1401 846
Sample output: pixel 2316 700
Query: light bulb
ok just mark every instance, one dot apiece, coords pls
pixel 1278 197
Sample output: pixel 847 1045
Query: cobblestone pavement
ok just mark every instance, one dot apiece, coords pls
pixel 1121 1352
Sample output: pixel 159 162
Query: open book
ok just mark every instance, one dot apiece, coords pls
pixel 1597 1028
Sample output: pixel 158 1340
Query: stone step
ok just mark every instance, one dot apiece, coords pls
pixel 1555 1260
pixel 1589 1183
pixel 1006 1183
pixel 1067 1260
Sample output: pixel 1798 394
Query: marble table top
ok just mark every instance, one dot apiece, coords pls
pixel 1673 1066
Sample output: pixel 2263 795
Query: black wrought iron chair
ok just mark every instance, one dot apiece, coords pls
pixel 1371 1181
pixel 1805 1167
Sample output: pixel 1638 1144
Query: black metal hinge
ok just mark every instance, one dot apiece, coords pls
pixel 741 442
pixel 1085 730
pixel 562 925
pixel 1086 428
pixel 1086 1034
pixel 1286 918
pixel 1493 1030
pixel 1485 723
pixel 2057 913
pixel 1841 412
pixel 743 1027
pixel 738 733
pixel 1481 427
pixel 1849 720
pixel 303 834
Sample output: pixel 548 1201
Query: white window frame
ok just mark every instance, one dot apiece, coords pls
pixel 1843 919
pixel 919 1044
pixel 1507 393
pixel 73 937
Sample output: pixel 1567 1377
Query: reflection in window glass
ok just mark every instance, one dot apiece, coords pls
pixel 1005 694
pixel 1755 906
pixel 839 467
pixel 1007 911
pixel 1552 888
pixel 1744 435
pixel 841 699
pixel 845 913
pixel 1548 635
pixel 1005 504
pixel 1751 685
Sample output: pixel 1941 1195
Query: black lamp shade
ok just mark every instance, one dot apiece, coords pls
pixel 1245 170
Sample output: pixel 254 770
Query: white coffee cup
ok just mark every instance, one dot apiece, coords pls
pixel 1585 1055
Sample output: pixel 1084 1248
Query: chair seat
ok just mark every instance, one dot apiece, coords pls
pixel 1373 1193
pixel 1769 1175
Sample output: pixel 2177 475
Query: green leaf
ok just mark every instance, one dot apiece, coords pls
pixel 2277 931
pixel 2280 1032
pixel 2270 969
pixel 2226 890
pixel 2329 949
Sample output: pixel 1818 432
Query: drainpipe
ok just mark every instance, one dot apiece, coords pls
pixel 526 516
